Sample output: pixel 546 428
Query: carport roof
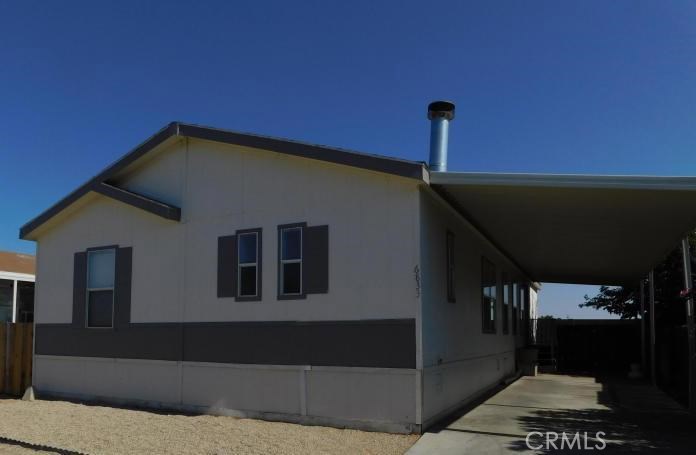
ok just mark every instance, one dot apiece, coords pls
pixel 582 229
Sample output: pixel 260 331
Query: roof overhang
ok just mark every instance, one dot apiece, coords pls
pixel 101 183
pixel 582 229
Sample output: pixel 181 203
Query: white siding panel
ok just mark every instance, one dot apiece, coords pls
pixel 242 387
pixel 155 381
pixel 378 395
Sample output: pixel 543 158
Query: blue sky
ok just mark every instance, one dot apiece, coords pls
pixel 543 86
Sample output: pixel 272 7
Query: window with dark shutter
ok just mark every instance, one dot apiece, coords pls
pixel 102 287
pixel 303 260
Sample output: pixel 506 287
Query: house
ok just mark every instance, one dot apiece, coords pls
pixel 16 287
pixel 231 273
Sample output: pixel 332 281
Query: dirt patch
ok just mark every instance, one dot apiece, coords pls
pixel 106 430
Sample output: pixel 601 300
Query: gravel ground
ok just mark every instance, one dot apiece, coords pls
pixel 106 430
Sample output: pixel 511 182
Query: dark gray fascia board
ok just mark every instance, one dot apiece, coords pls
pixel 394 166
pixel 158 208
pixel 626 182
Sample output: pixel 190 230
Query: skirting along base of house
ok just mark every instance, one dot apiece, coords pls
pixel 450 386
pixel 373 399
pixel 355 424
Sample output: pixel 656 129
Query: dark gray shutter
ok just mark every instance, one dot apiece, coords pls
pixel 79 289
pixel 315 260
pixel 122 297
pixel 227 266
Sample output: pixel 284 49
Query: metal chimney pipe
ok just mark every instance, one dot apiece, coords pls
pixel 439 113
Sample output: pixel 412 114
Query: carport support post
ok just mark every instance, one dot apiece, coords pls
pixel 651 302
pixel 691 334
pixel 643 356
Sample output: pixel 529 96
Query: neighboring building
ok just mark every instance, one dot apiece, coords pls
pixel 17 272
pixel 232 273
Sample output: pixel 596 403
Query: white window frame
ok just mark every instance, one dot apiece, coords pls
pixel 241 265
pixel 112 289
pixel 290 261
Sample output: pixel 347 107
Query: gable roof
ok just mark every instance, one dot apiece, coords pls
pixel 17 263
pixel 394 166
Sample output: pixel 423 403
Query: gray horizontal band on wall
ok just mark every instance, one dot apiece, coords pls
pixel 384 343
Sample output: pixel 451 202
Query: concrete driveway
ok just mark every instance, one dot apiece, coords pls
pixel 597 417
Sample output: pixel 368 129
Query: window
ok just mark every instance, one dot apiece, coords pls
pixel 25 301
pixel 101 266
pixel 523 314
pixel 248 264
pixel 450 268
pixel 6 298
pixel 507 294
pixel 290 279
pixel 515 306
pixel 489 293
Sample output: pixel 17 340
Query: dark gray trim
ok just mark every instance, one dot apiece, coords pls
pixel 403 168
pixel 280 295
pixel 227 266
pixel 122 287
pixel 105 247
pixel 386 343
pixel 153 206
pixel 79 289
pixel 388 165
pixel 315 259
pixel 259 266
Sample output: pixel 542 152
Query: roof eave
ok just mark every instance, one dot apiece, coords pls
pixel 628 182
pixel 394 166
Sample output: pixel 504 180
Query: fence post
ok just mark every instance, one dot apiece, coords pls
pixel 8 356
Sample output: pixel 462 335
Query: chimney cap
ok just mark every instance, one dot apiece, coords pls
pixel 441 109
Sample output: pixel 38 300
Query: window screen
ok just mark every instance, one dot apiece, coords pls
pixel 291 261
pixel 248 264
pixel 101 271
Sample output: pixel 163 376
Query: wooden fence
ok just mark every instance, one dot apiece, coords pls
pixel 16 346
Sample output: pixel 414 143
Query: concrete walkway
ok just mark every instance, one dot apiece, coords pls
pixel 634 418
